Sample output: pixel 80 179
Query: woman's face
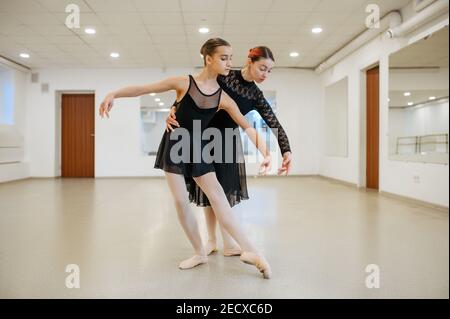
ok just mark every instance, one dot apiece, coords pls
pixel 220 61
pixel 259 70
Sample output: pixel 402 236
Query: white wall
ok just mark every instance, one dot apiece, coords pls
pixel 298 102
pixel 118 139
pixel 394 176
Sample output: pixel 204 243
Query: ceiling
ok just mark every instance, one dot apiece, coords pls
pixel 155 33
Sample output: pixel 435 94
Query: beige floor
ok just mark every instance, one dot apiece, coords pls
pixel 318 235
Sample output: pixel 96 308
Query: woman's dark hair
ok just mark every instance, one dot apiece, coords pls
pixel 260 52
pixel 209 47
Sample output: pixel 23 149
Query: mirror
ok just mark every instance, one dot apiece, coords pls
pixel 258 123
pixel 418 101
pixel 154 110
pixel 6 96
pixel 335 121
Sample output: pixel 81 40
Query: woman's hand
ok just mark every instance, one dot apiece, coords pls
pixel 171 120
pixel 265 165
pixel 287 163
pixel 106 105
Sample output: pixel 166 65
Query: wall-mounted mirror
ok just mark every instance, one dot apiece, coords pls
pixel 154 110
pixel 156 107
pixel 418 101
pixel 335 121
pixel 258 123
pixel 6 96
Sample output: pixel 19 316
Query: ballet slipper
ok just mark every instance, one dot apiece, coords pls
pixel 211 247
pixel 257 261
pixel 193 262
pixel 234 251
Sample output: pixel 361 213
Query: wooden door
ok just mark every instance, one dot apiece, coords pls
pixel 372 125
pixel 77 140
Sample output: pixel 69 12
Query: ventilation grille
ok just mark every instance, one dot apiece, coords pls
pixel 34 77
pixel 44 87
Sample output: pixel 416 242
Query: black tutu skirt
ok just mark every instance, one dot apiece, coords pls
pixel 187 168
pixel 231 176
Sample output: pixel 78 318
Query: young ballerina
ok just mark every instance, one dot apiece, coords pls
pixel 240 86
pixel 199 98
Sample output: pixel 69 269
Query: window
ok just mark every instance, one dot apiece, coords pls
pixel 6 97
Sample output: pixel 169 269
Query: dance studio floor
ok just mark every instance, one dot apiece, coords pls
pixel 318 235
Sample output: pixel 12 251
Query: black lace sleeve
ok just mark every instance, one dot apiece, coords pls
pixel 265 110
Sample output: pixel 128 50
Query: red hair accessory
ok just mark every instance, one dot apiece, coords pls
pixel 254 53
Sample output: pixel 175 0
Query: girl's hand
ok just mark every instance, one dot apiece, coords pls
pixel 287 163
pixel 171 120
pixel 106 105
pixel 265 165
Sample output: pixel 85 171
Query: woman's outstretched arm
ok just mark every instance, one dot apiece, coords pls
pixel 228 104
pixel 265 110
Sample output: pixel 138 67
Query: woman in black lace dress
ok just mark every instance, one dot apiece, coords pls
pixel 240 86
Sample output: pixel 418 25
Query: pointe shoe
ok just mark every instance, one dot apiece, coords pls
pixel 192 262
pixel 210 248
pixel 229 252
pixel 257 261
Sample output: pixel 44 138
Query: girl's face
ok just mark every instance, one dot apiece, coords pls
pixel 259 70
pixel 220 61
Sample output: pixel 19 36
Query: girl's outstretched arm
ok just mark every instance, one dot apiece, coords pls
pixel 178 83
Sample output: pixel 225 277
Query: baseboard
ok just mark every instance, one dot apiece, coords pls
pixel 13 171
pixel 388 194
pixel 339 181
pixel 414 201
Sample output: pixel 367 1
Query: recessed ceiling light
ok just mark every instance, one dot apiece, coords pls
pixel 407 93
pixel 203 30
pixel 294 54
pixel 161 104
pixel 432 98
pixel 410 103
pixel 389 100
pixel 157 99
pixel 24 55
pixel 152 94
pixel 89 31
pixel 114 55
pixel 316 30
